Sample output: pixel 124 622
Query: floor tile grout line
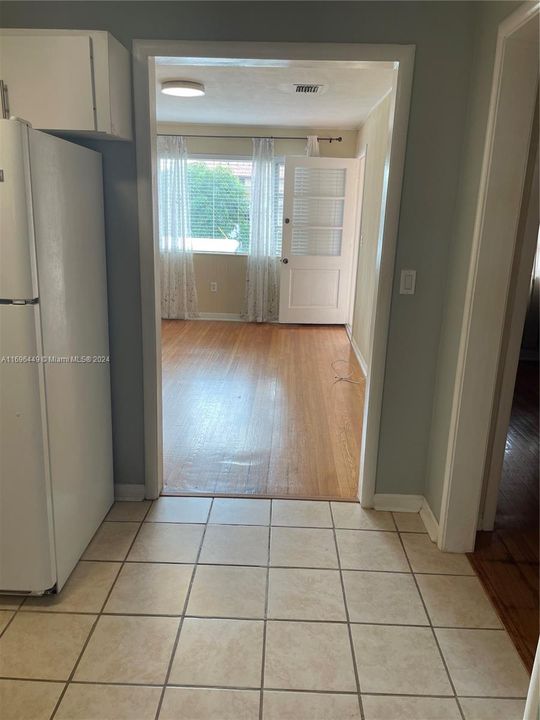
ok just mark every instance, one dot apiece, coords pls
pixel 99 614
pixel 181 622
pixel 19 607
pixel 394 522
pixel 12 618
pixel 416 514
pixel 177 521
pixel 261 618
pixel 349 631
pixel 196 563
pixel 464 697
pixel 265 626
pixel 436 639
pixel 267 689
pixel 293 567
pixel 277 525
pixel 23 600
pixel 460 707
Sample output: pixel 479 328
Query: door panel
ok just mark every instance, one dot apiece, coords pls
pixel 316 288
pixel 27 563
pixel 67 186
pixel 17 281
pixel 319 212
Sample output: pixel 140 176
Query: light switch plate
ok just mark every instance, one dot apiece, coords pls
pixel 407 284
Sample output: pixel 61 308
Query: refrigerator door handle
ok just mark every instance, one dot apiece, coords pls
pixel 17 301
pixel 4 99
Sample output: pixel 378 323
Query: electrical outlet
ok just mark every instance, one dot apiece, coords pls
pixel 213 287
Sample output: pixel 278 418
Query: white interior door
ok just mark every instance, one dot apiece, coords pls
pixel 319 229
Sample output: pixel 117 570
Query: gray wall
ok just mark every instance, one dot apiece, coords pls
pixel 443 33
pixel 489 17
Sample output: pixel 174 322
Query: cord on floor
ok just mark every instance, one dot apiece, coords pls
pixel 344 378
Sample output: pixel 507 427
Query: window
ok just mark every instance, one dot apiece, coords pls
pixel 219 203
pixel 219 195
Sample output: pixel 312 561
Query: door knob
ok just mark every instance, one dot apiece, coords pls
pixel 287 221
pixel 285 260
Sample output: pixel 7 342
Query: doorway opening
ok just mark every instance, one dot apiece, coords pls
pixel 492 510
pixel 506 555
pixel 501 260
pixel 259 233
pixel 271 378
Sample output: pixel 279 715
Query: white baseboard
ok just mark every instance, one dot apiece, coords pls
pixel 231 317
pixel 409 503
pixel 129 492
pixel 430 521
pixel 356 349
pixel 398 503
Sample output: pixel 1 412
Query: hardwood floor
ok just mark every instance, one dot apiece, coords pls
pixel 507 558
pixel 255 409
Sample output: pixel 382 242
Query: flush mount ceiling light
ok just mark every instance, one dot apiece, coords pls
pixel 182 88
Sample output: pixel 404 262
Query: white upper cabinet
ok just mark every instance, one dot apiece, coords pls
pixel 72 81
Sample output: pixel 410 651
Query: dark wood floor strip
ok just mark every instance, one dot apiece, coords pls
pixel 507 559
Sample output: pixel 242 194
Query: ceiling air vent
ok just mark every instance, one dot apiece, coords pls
pixel 308 89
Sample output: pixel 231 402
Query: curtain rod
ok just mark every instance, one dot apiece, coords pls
pixel 250 137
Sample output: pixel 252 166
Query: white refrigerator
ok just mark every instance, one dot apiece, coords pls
pixel 56 482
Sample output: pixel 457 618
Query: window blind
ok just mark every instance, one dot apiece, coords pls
pixel 219 197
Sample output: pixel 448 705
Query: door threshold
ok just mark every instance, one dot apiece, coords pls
pixel 257 496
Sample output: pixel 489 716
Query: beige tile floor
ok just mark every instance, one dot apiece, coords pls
pixel 225 609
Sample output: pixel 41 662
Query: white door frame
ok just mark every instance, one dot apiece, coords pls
pixel 506 153
pixel 517 309
pixel 361 157
pixel 402 56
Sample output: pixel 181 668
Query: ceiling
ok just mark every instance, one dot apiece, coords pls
pixel 257 93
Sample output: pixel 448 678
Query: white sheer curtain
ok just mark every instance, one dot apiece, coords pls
pixel 262 283
pixel 312 146
pixel 178 290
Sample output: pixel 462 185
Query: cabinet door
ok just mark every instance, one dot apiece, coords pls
pixel 49 80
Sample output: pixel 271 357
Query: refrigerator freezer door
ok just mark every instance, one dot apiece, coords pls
pixel 70 249
pixel 17 266
pixel 27 562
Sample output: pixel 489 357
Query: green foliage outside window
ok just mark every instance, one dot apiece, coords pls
pixel 219 203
